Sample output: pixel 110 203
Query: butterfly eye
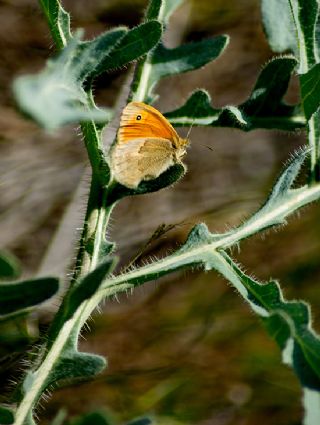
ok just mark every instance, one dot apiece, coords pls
pixel 139 117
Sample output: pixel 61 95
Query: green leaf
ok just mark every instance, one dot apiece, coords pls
pixel 263 109
pixel 283 186
pixel 169 177
pixel 280 201
pixel 163 62
pixel 198 111
pixel 279 26
pixel 55 96
pixel 91 57
pixel 188 57
pixel 18 296
pixel 87 286
pixel 93 418
pixel 58 20
pixel 300 344
pixel 9 266
pixel 161 9
pixel 153 10
pixel 61 362
pixel 73 366
pixel 136 43
pixel 140 421
pixel 201 244
pixel 310 90
pixel 6 416
pixel 79 293
pixel 288 322
pixel 305 15
pixel 70 366
pixel 271 86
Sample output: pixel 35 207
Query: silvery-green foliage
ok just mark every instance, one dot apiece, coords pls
pixel 264 108
pixel 61 93
pixel 303 23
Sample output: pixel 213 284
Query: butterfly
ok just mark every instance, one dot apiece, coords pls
pixel 146 146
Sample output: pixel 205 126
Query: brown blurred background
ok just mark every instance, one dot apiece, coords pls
pixel 185 349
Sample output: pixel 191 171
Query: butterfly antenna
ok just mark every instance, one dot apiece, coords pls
pixel 194 119
pixel 189 131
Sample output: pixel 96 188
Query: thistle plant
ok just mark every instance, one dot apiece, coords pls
pixel 62 93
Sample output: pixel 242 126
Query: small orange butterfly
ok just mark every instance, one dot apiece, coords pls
pixel 147 145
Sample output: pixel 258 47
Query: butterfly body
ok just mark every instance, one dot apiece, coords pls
pixel 147 145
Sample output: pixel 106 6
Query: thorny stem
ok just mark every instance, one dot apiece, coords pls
pixel 92 247
pixel 128 281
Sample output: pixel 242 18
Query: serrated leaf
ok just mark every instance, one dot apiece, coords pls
pixel 300 344
pixel 17 296
pixel 58 20
pixel 279 26
pixel 136 43
pixel 310 90
pixel 287 321
pixel 270 88
pixel 9 266
pixel 263 109
pixel 201 244
pixel 280 201
pixel 199 235
pixel 305 15
pixel 55 97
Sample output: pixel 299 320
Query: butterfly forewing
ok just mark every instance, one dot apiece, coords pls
pixel 139 120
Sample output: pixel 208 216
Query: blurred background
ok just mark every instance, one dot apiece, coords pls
pixel 184 349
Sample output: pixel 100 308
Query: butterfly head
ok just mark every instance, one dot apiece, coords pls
pixel 181 143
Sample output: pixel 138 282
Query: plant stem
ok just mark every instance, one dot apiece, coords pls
pixel 307 58
pixel 314 143
pixel 202 252
pixel 142 79
pixel 94 230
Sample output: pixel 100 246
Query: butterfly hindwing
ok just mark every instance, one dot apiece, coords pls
pixel 141 159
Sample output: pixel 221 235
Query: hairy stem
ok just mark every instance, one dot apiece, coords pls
pixel 199 254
